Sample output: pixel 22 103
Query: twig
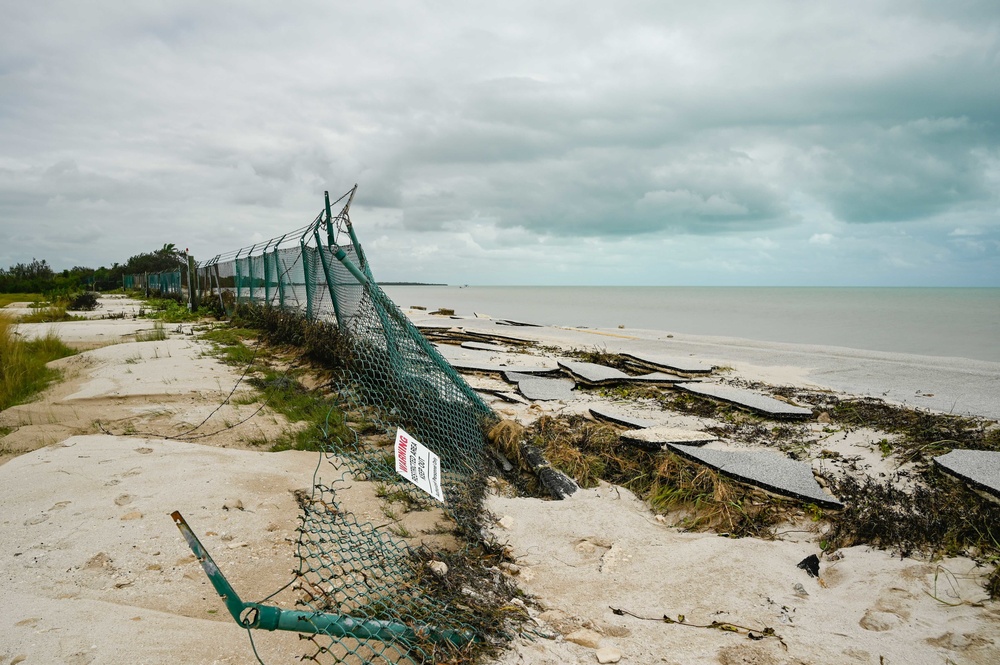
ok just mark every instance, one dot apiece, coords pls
pixel 724 626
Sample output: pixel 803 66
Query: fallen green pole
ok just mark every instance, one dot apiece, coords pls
pixel 268 617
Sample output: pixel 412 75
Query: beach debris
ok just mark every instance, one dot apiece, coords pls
pixel 765 469
pixel 618 418
pixel 754 401
pixel 670 363
pixel 585 638
pixel 979 468
pixel 594 374
pixel 660 377
pixel 512 322
pixel 541 389
pixel 494 368
pixel 656 437
pixel 608 654
pixel 725 626
pixel 810 564
pixel 483 346
pixel 800 590
pixel 556 482
pixel 443 311
pixel 439 568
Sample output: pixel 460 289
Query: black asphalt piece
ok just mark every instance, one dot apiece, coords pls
pixel 619 418
pixel 483 346
pixel 677 364
pixel 657 437
pixel 594 374
pixel 765 469
pixel 745 398
pixel 979 468
pixel 810 564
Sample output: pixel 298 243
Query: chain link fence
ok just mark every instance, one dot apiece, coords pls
pixel 364 594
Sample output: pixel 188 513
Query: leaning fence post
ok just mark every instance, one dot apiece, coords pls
pixel 329 280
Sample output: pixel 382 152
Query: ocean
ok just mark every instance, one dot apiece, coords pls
pixel 948 322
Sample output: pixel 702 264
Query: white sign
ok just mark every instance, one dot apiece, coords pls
pixel 418 464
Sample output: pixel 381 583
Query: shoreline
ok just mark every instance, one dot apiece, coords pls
pixel 950 385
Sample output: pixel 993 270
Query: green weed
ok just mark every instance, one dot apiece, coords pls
pixel 23 371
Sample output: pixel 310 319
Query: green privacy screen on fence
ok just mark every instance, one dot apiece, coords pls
pixel 361 593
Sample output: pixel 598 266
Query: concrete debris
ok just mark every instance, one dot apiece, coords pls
pixel 608 655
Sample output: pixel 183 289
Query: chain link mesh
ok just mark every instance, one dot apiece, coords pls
pixel 391 376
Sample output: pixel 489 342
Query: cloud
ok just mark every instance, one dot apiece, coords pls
pixel 508 127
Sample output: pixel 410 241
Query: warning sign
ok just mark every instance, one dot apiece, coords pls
pixel 418 464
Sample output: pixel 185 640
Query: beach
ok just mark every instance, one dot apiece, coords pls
pixel 96 572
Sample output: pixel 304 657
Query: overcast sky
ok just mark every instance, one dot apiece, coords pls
pixel 659 142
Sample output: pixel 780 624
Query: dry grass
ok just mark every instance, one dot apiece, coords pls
pixel 696 497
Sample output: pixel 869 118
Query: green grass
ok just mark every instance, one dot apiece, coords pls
pixel 8 298
pixel 168 311
pixel 324 422
pixel 50 314
pixel 157 334
pixel 23 373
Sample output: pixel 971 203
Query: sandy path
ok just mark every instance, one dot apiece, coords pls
pixel 95 570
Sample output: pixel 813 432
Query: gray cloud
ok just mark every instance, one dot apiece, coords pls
pixel 645 122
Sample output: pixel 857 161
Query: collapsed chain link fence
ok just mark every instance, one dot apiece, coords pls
pixel 363 594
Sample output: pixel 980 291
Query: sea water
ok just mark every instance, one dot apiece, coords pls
pixel 950 322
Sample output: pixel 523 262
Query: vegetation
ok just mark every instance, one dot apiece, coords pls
pixel 323 425
pixel 23 371
pixel 51 313
pixel 37 276
pixel 168 310
pixel 699 497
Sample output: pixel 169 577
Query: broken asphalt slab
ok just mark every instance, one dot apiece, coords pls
pixel 655 438
pixel 979 468
pixel 594 374
pixel 676 364
pixel 542 389
pixel 620 418
pixel 764 469
pixel 754 401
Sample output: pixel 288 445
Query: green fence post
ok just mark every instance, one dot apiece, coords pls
pixel 329 280
pixel 268 617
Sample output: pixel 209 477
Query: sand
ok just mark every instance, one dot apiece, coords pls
pixel 95 571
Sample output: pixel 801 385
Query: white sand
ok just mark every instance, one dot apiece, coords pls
pixel 94 570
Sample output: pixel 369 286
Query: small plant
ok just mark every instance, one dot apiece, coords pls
pixel 83 302
pixel 157 334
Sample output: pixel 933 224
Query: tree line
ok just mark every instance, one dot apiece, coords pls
pixel 39 277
